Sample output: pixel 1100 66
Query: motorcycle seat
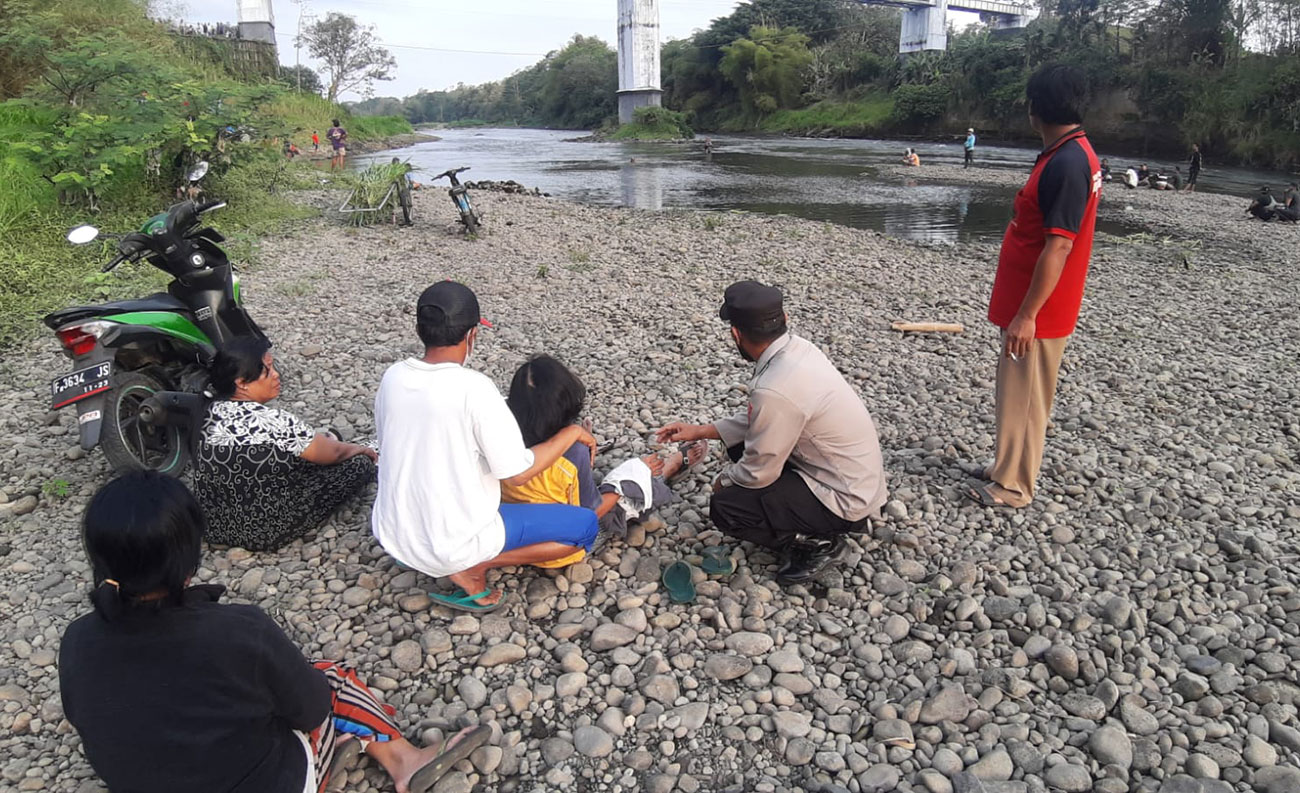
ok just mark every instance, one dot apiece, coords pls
pixel 160 301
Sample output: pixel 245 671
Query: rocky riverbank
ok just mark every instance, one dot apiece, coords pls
pixel 1192 221
pixel 370 146
pixel 1134 630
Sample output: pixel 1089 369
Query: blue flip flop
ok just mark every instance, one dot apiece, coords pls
pixel 461 601
pixel 716 560
pixel 677 580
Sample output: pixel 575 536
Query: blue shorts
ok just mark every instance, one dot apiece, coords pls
pixel 529 524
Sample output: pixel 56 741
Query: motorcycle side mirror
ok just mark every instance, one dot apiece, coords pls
pixel 83 234
pixel 200 171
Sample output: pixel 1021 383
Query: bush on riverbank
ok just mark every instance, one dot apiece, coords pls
pixel 654 123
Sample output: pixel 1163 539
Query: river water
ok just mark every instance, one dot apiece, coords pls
pixel 827 180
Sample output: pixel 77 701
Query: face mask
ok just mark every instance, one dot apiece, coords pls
pixel 741 350
pixel 469 351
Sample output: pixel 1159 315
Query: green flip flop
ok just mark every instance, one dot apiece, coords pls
pixel 460 600
pixel 717 560
pixel 677 580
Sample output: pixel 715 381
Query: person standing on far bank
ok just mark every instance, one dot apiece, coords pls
pixel 970 148
pixel 1039 283
pixel 1194 164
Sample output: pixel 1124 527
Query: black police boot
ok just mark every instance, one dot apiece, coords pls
pixel 808 558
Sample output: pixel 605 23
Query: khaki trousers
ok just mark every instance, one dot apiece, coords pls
pixel 1024 396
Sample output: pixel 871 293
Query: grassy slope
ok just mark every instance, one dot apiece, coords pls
pixel 40 271
pixel 854 118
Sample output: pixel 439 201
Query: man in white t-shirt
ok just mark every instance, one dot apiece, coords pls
pixel 448 441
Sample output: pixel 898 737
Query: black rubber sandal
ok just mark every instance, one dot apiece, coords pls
pixel 462 746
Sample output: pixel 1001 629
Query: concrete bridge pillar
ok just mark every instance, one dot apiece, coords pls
pixel 256 22
pixel 924 28
pixel 638 56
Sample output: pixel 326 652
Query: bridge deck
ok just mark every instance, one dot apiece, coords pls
pixel 979 6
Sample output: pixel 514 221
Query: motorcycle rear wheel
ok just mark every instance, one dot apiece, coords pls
pixel 131 445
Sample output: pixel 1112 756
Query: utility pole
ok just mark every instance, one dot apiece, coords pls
pixel 297 43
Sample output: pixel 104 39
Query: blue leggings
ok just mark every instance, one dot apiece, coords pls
pixel 530 524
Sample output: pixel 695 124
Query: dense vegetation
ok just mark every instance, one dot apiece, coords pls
pixel 1224 73
pixel 102 111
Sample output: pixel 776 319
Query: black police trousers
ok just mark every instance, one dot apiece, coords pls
pixel 771 516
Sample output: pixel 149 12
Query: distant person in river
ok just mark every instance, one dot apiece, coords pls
pixel 806 467
pixel 1194 164
pixel 545 397
pixel 911 158
pixel 1038 288
pixel 263 476
pixel 172 690
pixel 338 138
pixel 449 443
pixel 1105 170
pixel 969 147
pixel 1264 207
pixel 1144 174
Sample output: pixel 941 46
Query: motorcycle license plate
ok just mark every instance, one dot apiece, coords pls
pixel 76 386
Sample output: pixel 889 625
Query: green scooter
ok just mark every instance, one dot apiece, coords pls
pixel 140 378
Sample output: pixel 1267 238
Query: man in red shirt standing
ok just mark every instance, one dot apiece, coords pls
pixel 1039 282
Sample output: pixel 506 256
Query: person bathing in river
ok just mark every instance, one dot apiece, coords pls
pixel 969 147
pixel 172 690
pixel 1105 170
pixel 911 158
pixel 545 397
pixel 449 442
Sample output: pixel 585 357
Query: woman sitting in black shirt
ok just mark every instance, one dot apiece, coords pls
pixel 263 476
pixel 173 691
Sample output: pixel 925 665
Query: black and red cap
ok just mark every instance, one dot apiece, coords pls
pixel 450 304
pixel 749 305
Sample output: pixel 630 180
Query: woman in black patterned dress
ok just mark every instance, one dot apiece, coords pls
pixel 263 476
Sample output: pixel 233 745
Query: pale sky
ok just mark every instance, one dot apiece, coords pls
pixel 419 33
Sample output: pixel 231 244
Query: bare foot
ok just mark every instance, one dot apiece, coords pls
pixel 475 582
pixel 410 761
pixel 696 452
pixel 657 465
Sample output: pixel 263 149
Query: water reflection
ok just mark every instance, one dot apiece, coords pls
pixel 826 180
pixel 940 224
pixel 642 186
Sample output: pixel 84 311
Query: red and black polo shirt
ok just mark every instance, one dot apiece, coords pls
pixel 1060 198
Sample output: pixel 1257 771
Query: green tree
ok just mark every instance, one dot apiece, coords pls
pixel 300 78
pixel 768 68
pixel 353 58
pixel 579 84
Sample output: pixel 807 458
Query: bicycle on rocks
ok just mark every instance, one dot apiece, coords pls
pixel 460 197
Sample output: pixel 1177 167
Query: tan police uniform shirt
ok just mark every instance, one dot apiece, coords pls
pixel 802 409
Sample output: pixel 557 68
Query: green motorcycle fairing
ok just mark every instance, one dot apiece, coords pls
pixel 154 224
pixel 165 321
